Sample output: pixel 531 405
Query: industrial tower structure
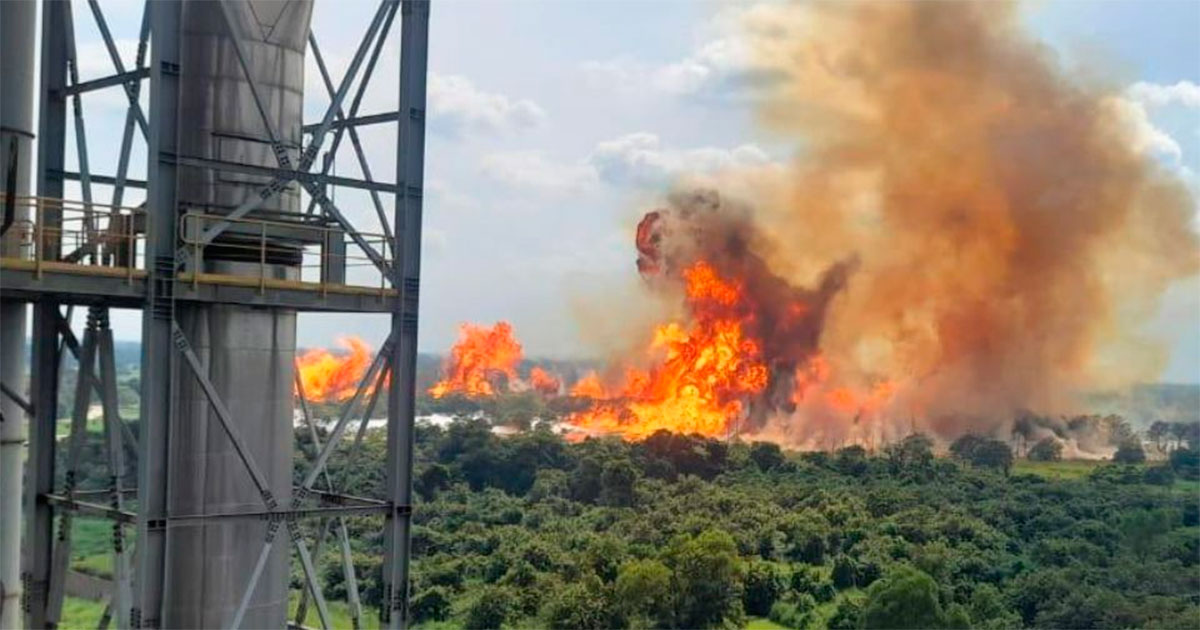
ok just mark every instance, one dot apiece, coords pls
pixel 219 258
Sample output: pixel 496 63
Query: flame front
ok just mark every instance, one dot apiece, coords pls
pixel 702 371
pixel 544 382
pixel 328 377
pixel 480 358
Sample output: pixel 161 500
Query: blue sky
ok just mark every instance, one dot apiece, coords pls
pixel 553 124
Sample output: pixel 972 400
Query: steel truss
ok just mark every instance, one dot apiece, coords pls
pixel 138 511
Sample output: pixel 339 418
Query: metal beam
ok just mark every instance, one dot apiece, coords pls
pixel 39 471
pixel 343 535
pixel 122 577
pixel 344 419
pixel 106 180
pixel 295 514
pixel 72 345
pixel 121 78
pixel 52 124
pixel 410 169
pixel 81 150
pixel 358 121
pixel 17 398
pixel 287 175
pixel 363 163
pixel 118 193
pixel 83 399
pixel 225 417
pixel 335 106
pixel 158 364
pixel 88 508
pixel 131 91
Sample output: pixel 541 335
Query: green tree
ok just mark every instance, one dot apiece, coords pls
pixel 912 455
pixel 843 572
pixel 431 479
pixel 993 454
pixel 1186 463
pixel 586 480
pixel 1158 433
pixel 983 452
pixel 905 598
pixel 489 608
pixel 764 583
pixel 1047 449
pixel 431 604
pixel 707 576
pixel 766 455
pixel 989 610
pixel 1129 452
pixel 643 593
pixel 616 483
pixel 1143 529
pixel 582 606
pixel 964 447
pixel 847 615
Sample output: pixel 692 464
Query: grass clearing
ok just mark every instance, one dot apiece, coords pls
pixel 1064 470
pixel 762 623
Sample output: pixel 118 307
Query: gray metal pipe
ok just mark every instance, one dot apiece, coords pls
pixel 18 29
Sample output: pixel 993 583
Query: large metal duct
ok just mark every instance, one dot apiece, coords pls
pixel 18 27
pixel 249 352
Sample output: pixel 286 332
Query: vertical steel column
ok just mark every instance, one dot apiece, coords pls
pixel 158 367
pixel 39 473
pixel 52 123
pixel 406 274
pixel 18 22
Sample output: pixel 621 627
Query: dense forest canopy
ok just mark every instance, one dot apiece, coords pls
pixel 687 532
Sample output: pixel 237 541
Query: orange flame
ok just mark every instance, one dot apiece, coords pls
pixel 589 387
pixel 480 356
pixel 544 382
pixel 333 377
pixel 702 370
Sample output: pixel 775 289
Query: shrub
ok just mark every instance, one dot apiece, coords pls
pixel 789 614
pixel 1159 475
pixel 1129 452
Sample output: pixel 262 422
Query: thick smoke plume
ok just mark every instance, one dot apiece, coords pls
pixel 967 224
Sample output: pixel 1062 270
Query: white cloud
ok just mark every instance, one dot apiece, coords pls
pixel 635 160
pixel 456 106
pixel 535 171
pixel 719 67
pixel 1183 93
pixel 639 159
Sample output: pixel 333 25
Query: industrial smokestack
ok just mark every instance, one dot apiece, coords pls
pixel 248 352
pixel 18 22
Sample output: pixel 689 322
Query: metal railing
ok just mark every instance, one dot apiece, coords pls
pixel 60 233
pixel 327 256
pixel 72 236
